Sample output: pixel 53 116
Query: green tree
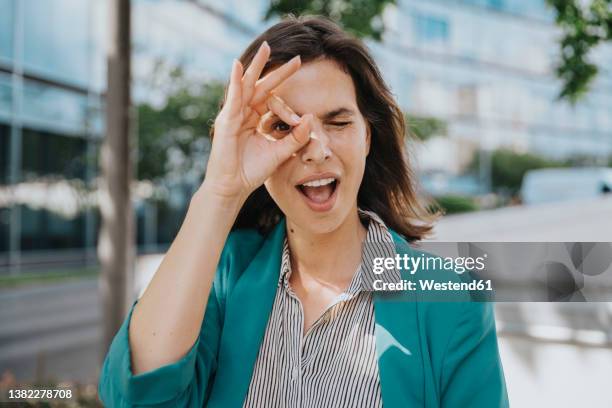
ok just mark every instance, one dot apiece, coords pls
pixel 173 137
pixel 453 204
pixel 359 17
pixel 509 167
pixel 425 127
pixel 585 24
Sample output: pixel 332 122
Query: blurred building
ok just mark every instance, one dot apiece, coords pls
pixel 486 67
pixel 51 123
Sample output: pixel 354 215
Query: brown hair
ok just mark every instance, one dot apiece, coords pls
pixel 389 186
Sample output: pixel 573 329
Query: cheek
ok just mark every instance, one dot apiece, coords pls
pixel 274 186
pixel 277 183
pixel 353 150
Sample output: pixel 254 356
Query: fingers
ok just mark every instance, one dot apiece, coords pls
pixel 302 132
pixel 251 118
pixel 283 111
pixel 266 84
pixel 234 92
pixel 293 142
pixel 279 114
pixel 254 71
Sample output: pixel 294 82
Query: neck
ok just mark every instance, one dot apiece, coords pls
pixel 331 257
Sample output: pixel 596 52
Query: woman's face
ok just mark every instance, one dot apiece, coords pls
pixel 317 188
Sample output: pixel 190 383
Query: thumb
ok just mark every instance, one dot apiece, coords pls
pixel 294 141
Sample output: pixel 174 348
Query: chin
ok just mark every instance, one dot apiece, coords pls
pixel 316 223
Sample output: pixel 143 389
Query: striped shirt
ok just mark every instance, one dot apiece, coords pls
pixel 334 364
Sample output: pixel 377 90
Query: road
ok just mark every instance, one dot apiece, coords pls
pixel 51 332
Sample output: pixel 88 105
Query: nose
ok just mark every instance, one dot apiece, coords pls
pixel 317 150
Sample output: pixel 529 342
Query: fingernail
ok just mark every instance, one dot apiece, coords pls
pixel 295 118
pixel 265 44
pixel 297 57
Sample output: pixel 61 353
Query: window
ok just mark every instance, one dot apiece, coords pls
pixel 6 29
pixel 6 97
pixel 494 4
pixel 56 39
pixel 4 232
pixel 45 154
pixel 45 230
pixel 430 28
pixel 5 135
pixel 51 219
pixel 54 107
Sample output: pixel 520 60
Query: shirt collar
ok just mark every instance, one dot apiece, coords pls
pixel 378 243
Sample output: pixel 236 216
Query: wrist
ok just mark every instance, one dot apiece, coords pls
pixel 208 197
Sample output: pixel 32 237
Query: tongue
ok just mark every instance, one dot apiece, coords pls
pixel 318 194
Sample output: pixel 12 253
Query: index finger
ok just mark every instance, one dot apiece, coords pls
pixel 266 84
pixel 253 72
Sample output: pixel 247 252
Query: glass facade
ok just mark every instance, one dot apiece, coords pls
pixel 51 65
pixel 54 107
pixel 56 39
pixel 486 67
pixel 6 96
pixel 430 28
pixel 6 30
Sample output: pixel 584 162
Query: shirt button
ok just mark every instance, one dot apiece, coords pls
pixel 294 373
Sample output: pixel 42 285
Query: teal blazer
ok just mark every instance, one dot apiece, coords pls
pixel 430 354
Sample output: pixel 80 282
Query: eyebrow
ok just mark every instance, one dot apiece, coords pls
pixel 336 112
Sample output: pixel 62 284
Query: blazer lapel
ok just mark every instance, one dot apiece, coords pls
pixel 248 308
pixel 398 348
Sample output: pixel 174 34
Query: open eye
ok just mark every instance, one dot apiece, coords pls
pixel 272 127
pixel 281 127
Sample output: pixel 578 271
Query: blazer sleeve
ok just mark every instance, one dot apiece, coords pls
pixel 472 373
pixel 183 383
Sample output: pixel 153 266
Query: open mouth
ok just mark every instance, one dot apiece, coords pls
pixel 319 194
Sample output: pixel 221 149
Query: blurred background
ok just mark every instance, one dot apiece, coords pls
pixel 509 106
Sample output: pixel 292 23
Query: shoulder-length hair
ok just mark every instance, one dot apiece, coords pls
pixel 389 185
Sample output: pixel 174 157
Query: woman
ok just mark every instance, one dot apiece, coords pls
pixel 264 298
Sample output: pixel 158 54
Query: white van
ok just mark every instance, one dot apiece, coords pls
pixel 561 184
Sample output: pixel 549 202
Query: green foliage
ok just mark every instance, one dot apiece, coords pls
pixel 174 137
pixel 424 127
pixel 453 204
pixel 359 17
pixel 509 167
pixel 583 160
pixel 585 24
pixel 24 278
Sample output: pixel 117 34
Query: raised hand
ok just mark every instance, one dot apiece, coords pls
pixel 255 130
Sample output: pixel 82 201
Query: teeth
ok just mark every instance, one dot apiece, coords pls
pixel 320 182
